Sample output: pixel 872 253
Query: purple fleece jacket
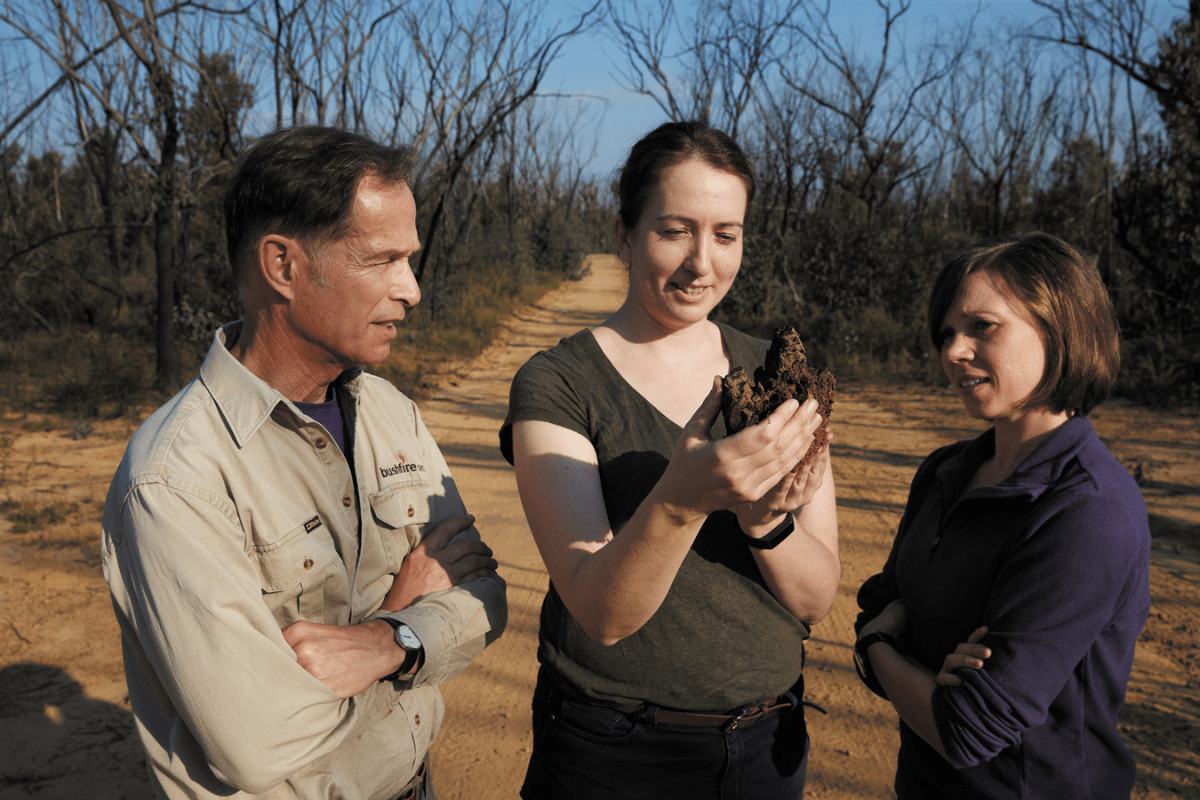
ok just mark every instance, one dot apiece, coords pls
pixel 1055 561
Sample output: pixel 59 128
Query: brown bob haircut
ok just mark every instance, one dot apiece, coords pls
pixel 1064 293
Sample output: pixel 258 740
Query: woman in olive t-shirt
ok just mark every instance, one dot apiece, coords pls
pixel 686 567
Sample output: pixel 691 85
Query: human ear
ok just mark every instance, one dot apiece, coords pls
pixel 279 261
pixel 624 246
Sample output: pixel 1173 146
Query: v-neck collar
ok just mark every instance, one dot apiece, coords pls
pixel 597 352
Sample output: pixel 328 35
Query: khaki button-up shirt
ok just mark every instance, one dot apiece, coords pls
pixel 229 519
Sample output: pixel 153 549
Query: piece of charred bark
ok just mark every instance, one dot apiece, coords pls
pixel 785 374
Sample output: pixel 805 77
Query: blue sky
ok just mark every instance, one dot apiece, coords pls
pixel 586 69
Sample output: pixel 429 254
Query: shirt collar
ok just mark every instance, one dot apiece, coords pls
pixel 245 400
pixel 1043 467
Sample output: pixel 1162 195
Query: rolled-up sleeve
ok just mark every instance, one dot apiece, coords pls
pixel 1055 618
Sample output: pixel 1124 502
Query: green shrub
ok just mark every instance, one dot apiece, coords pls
pixel 77 373
pixel 482 297
pixel 1160 370
pixel 26 517
pixel 98 376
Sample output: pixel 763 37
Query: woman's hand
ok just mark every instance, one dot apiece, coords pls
pixel 968 655
pixel 795 490
pixel 706 475
pixel 613 584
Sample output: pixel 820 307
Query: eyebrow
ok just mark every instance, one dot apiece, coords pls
pixel 682 218
pixel 391 253
pixel 978 310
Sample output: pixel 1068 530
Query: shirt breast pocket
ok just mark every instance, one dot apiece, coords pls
pixel 401 512
pixel 294 571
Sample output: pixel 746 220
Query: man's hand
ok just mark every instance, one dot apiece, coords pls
pixel 346 658
pixel 436 564
pixel 349 658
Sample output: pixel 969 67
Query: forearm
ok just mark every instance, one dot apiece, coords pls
pixel 457 623
pixel 202 637
pixel 804 570
pixel 616 588
pixel 348 659
pixel 803 573
pixel 612 585
pixel 454 627
pixel 910 689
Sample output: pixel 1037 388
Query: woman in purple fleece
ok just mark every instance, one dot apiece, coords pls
pixel 1003 624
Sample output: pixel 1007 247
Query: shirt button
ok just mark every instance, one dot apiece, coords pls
pixel 308 562
pixel 411 511
pixel 346 502
pixel 417 719
pixel 320 444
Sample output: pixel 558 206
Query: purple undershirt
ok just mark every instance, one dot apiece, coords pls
pixel 328 414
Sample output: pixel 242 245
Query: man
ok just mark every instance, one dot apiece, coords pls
pixel 289 559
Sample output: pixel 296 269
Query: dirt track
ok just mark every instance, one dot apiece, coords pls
pixel 65 729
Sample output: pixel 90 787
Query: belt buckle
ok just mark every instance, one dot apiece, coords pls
pixel 747 716
pixel 416 779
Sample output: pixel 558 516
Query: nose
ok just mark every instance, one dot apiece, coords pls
pixel 699 261
pixel 955 347
pixel 405 288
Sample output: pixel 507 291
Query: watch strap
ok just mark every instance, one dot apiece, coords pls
pixel 772 539
pixel 410 655
pixel 862 661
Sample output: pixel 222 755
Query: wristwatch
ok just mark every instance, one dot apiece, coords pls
pixel 409 642
pixel 768 542
pixel 862 662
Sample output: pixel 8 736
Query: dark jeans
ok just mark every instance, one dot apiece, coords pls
pixel 583 751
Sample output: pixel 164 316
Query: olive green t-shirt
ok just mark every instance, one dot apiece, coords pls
pixel 720 638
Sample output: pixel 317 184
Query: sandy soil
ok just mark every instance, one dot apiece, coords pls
pixel 65 726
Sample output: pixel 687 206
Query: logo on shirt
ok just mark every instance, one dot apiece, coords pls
pixel 400 468
pixel 312 524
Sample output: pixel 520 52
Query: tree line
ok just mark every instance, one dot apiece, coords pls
pixel 873 164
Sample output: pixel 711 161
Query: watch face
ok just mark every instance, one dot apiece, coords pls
pixel 858 660
pixel 407 639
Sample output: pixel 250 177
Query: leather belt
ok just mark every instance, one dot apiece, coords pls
pixel 735 720
pixel 415 788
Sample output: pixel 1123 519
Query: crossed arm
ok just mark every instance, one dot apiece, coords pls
pixel 350 658
pixel 909 686
pixel 205 650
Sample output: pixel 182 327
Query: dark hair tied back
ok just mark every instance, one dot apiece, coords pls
pixel 668 145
